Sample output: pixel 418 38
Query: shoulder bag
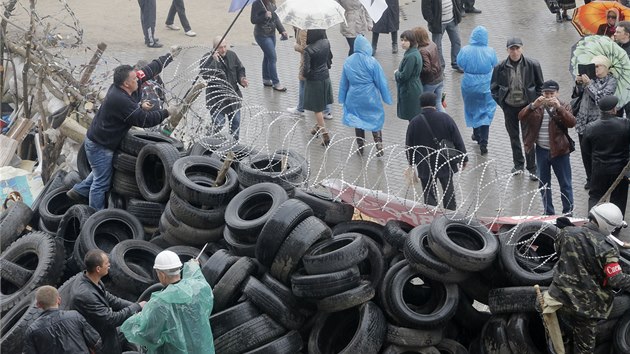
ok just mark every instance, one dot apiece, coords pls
pixel 446 148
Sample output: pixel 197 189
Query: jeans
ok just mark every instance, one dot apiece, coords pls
pixel 177 6
pixel 456 43
pixel 98 181
pixel 147 20
pixel 234 122
pixel 562 169
pixel 481 134
pixel 437 90
pixel 300 106
pixel 428 184
pixel 268 46
pixel 512 126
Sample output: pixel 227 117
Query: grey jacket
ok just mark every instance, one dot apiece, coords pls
pixel 357 19
pixel 591 94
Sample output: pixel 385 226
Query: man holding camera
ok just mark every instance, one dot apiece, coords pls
pixel 548 120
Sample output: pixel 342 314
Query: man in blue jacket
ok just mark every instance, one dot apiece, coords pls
pixel 120 111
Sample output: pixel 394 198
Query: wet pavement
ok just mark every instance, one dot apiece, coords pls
pixel 485 187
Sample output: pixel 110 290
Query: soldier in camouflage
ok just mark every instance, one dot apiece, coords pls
pixel 585 275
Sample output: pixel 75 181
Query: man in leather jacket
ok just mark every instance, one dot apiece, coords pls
pixel 516 82
pixel 57 331
pixel 101 309
pixel 548 120
pixel 605 143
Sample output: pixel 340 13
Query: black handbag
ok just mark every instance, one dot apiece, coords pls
pixel 576 100
pixel 446 148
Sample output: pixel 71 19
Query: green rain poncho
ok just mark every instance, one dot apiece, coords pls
pixel 176 319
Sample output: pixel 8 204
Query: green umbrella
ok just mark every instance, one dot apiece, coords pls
pixel 590 46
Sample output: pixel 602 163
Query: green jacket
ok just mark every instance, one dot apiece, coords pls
pixel 175 320
pixel 409 85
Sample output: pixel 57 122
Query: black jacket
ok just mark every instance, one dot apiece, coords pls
pixel 265 27
pixel 222 77
pixel 60 332
pixel 626 47
pixel 101 309
pixel 605 143
pixel 121 111
pixel 432 13
pixel 532 80
pixel 420 142
pixel 317 60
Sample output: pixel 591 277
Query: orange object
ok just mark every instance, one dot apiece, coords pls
pixel 587 18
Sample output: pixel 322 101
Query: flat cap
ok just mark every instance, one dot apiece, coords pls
pixel 550 85
pixel 607 103
pixel 514 41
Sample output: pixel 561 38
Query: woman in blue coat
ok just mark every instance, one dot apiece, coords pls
pixel 478 60
pixel 362 89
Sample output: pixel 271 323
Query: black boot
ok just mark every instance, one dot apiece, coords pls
pixel 394 47
pixel 378 141
pixel 558 16
pixel 566 16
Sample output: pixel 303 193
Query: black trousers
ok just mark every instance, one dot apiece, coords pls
pixel 351 45
pixel 468 4
pixel 147 19
pixel 600 182
pixel 177 6
pixel 586 161
pixel 375 36
pixel 512 126
pixel 430 188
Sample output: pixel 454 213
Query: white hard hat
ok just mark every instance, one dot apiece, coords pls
pixel 167 260
pixel 608 217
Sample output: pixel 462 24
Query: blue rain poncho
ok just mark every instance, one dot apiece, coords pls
pixel 362 89
pixel 477 60
pixel 176 319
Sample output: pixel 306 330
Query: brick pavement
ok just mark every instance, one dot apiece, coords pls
pixel 485 186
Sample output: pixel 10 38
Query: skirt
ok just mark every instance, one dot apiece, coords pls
pixel 317 94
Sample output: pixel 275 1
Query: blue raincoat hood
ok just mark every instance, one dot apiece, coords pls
pixel 362 45
pixel 479 36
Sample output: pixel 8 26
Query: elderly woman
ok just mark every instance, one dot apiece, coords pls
pixel 591 91
pixel 478 60
pixel 408 77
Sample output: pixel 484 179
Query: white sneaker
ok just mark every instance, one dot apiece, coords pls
pixel 294 110
pixel 328 116
pixel 190 33
pixel 173 27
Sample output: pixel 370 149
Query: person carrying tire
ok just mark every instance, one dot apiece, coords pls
pixel 585 275
pixel 175 320
pixel 102 310
pixel 121 110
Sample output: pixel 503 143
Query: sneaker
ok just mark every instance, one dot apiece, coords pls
pixel 328 116
pixel 75 196
pixel 173 27
pixel 190 33
pixel 297 112
pixel 517 170
pixel 155 45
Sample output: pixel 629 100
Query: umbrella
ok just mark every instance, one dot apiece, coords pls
pixel 588 47
pixel 311 14
pixel 587 18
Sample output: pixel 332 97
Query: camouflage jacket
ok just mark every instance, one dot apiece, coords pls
pixel 586 272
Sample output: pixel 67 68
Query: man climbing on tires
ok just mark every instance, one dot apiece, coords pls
pixel 585 276
pixel 121 110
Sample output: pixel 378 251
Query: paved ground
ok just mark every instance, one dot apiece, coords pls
pixel 484 187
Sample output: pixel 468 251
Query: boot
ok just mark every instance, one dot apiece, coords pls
pixel 378 141
pixel 325 137
pixel 394 47
pixel 558 16
pixel 566 16
pixel 315 130
pixel 360 144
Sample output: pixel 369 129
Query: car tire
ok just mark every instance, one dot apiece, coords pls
pixel 154 168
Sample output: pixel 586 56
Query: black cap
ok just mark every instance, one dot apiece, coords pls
pixel 514 41
pixel 550 85
pixel 428 99
pixel 607 103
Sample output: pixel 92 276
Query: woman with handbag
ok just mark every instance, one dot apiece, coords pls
pixel 317 88
pixel 591 91
pixel 266 23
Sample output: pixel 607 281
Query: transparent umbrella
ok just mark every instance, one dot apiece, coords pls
pixel 311 14
pixel 588 47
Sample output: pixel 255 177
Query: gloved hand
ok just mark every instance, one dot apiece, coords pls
pixel 175 50
pixel 173 110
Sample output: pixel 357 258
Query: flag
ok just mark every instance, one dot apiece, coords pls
pixel 375 8
pixel 236 5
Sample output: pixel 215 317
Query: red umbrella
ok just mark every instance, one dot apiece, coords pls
pixel 588 18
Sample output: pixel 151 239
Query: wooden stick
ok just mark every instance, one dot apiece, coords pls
pixel 224 169
pixel 89 69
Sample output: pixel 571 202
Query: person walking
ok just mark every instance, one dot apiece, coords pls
pixel 362 90
pixel 318 89
pixel 441 16
pixel 224 72
pixel 517 82
pixel 408 77
pixel 266 22
pixel 388 23
pixel 422 131
pixel 478 60
pixel 432 74
pixel 586 276
pixel 175 320
pixel 564 5
pixel 102 310
pixel 121 110
pixel 591 92
pixel 605 144
pixel 177 7
pixel 147 21
pixel 56 331
pixel 548 119
pixel 358 22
